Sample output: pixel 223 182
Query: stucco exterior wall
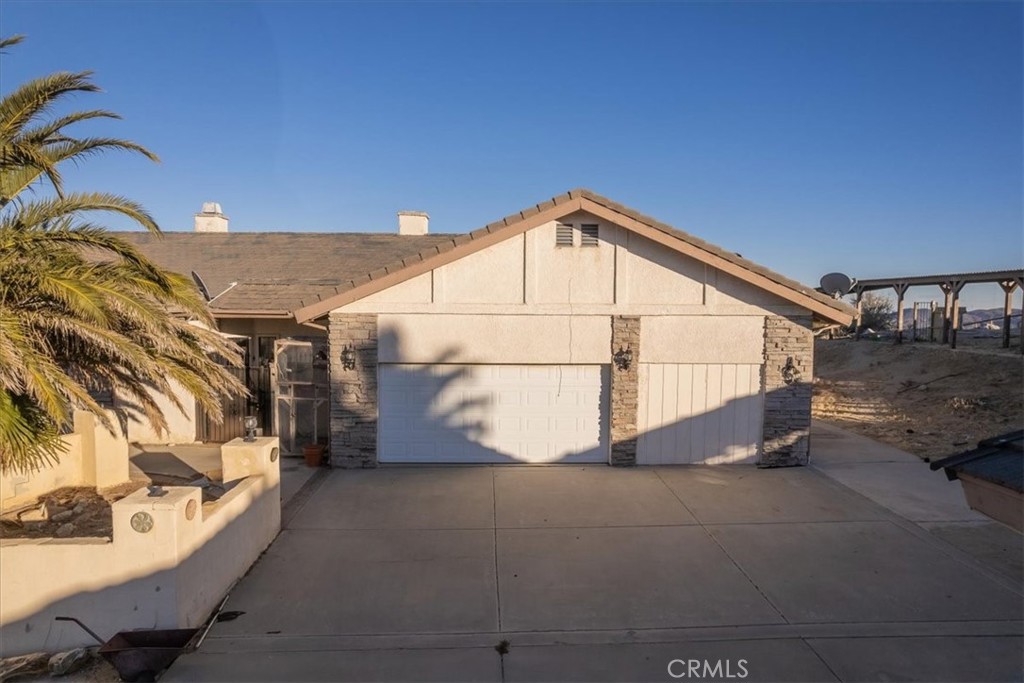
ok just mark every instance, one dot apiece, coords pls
pixel 181 422
pixel 488 338
pixel 703 339
pixel 492 338
pixel 651 274
pixel 418 290
pixel 527 274
pixel 726 290
pixel 583 275
pixel 460 282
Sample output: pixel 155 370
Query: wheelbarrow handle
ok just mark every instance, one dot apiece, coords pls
pixel 84 628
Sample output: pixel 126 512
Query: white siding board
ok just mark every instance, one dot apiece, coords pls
pixel 727 414
pixel 684 406
pixel 699 413
pixel 669 405
pixel 698 395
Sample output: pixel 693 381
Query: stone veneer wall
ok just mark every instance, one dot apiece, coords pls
pixel 787 407
pixel 354 409
pixel 625 391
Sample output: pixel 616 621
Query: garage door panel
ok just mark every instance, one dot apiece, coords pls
pixel 492 413
pixel 699 413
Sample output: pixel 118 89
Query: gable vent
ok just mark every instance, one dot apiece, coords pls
pixel 563 235
pixel 588 236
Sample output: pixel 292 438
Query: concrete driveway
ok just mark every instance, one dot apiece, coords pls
pixel 601 574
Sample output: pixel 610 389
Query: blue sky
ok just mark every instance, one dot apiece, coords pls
pixel 870 138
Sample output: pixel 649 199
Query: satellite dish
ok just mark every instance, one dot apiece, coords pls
pixel 201 285
pixel 836 285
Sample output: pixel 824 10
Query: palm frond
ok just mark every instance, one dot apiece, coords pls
pixel 46 212
pixel 78 304
pixel 12 40
pixel 37 96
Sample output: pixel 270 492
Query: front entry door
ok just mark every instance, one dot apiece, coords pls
pixel 300 376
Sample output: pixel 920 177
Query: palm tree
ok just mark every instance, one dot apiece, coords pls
pixel 80 308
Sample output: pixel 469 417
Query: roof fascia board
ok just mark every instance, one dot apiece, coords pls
pixel 481 239
pixel 715 261
pixel 249 314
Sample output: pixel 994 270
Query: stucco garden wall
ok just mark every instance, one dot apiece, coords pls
pixel 94 457
pixel 170 576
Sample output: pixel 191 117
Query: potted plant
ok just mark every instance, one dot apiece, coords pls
pixel 314 454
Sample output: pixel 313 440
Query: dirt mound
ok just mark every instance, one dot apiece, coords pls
pixel 923 398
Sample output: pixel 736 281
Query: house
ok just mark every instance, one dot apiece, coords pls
pixel 575 331
pixel 253 282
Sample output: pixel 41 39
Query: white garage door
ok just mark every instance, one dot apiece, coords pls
pixel 492 413
pixel 699 413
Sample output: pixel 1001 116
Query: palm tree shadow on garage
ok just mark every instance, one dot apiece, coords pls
pixel 441 424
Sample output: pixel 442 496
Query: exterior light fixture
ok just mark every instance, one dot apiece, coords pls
pixel 790 373
pixel 348 358
pixel 249 421
pixel 623 358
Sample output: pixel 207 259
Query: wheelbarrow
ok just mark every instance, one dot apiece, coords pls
pixel 142 655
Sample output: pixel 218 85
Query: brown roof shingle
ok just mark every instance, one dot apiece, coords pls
pixel 291 272
pixel 278 272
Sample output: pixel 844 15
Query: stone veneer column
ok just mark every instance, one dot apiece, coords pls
pixel 787 407
pixel 625 393
pixel 354 392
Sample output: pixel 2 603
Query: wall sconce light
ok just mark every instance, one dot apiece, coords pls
pixel 623 358
pixel 249 422
pixel 348 357
pixel 790 373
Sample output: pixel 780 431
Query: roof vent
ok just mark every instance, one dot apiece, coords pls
pixel 413 223
pixel 563 235
pixel 211 219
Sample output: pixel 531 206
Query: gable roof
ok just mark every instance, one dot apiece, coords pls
pixel 270 274
pixel 453 247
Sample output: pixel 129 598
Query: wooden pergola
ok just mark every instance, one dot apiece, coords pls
pixel 951 284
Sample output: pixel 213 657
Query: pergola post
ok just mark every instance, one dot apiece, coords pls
pixel 950 284
pixel 901 289
pixel 957 286
pixel 1020 283
pixel 860 314
pixel 1008 288
pixel 947 312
